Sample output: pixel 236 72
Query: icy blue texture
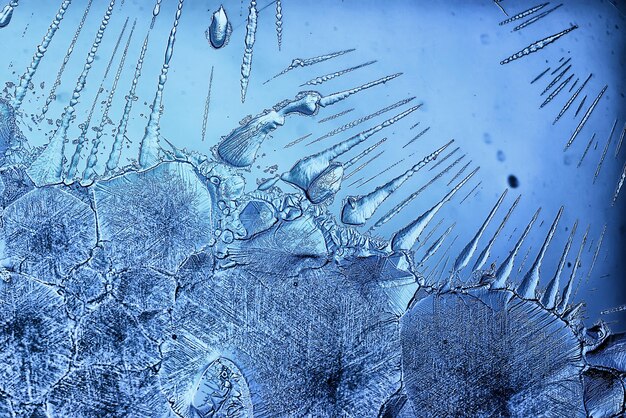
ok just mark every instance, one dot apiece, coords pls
pixel 173 262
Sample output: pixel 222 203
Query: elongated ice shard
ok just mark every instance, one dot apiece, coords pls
pixel 536 18
pixel 604 151
pixel 82 139
pixel 324 78
pixel 556 91
pixel 405 238
pixel 540 75
pixel 70 49
pixel 504 271
pixel 155 12
pixel 308 168
pixel 444 158
pixel 389 167
pixel 239 148
pixel 571 99
pixel 471 191
pixel 331 99
pixel 528 287
pixel 436 245
pixel 298 140
pixel 358 209
pixel 396 209
pixel 557 69
pixel 594 258
pixel 585 118
pixel 555 80
pixel 459 173
pixel 206 106
pixel 580 106
pixel 484 254
pixel 363 153
pixel 305 62
pixel 567 290
pixel 620 184
pixel 336 115
pixel 359 168
pixel 582 157
pixel 549 298
pixel 89 172
pixel 120 132
pixel 523 14
pixel 27 77
pixel 48 167
pixel 536 46
pixel 361 120
pixel 219 30
pixel 416 137
pixel 279 24
pixel 466 254
pixel 497 3
pixel 621 141
pixel 150 150
pixel 429 235
pixel 246 65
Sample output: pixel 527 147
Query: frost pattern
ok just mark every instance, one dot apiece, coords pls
pixel 169 287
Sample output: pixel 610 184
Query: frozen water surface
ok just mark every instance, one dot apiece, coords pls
pixel 171 246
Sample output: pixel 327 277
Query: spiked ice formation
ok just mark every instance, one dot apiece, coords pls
pixel 25 80
pixel 584 119
pixel 538 45
pixel 150 151
pixel 48 167
pixel 239 148
pixel 170 287
pixel 246 65
pixel 70 49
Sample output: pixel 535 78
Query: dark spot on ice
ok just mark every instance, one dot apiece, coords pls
pixel 174 336
pixel 569 264
pixel 567 159
pixel 513 181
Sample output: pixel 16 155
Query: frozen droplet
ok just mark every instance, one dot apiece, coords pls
pixel 219 30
